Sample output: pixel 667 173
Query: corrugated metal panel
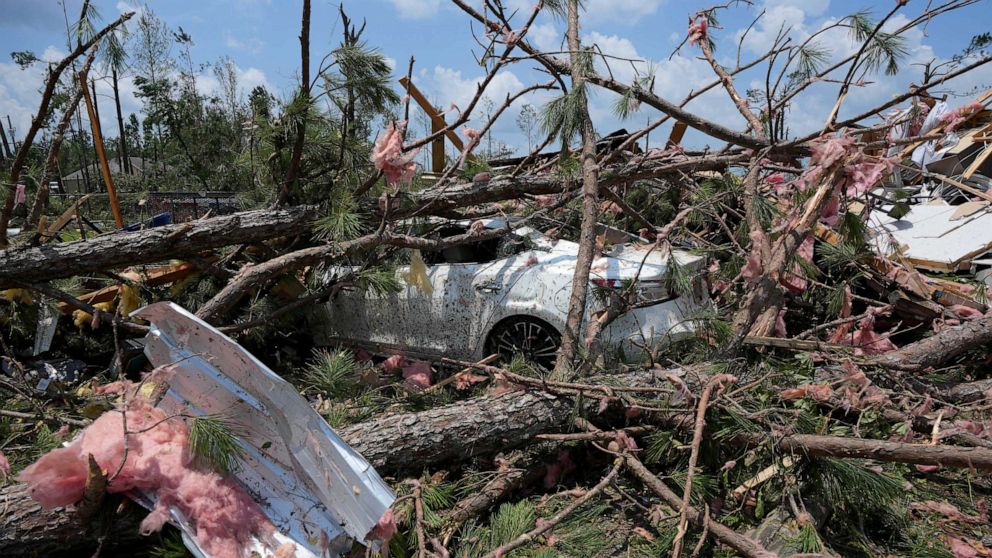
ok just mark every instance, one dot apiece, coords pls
pixel 310 483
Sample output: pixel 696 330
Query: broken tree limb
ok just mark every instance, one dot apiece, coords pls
pixel 744 545
pixel 938 348
pixel 120 249
pixel 880 450
pixel 519 472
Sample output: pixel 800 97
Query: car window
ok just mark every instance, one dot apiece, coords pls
pixel 489 250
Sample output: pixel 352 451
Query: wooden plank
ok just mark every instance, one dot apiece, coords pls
pixel 678 132
pixel 155 277
pixel 979 160
pixel 63 219
pixel 437 119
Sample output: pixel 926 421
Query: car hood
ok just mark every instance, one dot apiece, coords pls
pixel 629 261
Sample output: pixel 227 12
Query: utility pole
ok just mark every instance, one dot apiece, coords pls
pixel 101 153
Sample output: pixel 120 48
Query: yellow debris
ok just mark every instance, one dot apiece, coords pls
pixel 81 317
pixel 417 276
pixel 17 295
pixel 129 300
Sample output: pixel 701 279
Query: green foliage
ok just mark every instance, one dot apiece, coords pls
pixel 342 220
pixel 508 523
pixel 379 281
pixel 24 58
pixel 840 256
pixel 212 443
pixel 884 49
pixel 171 546
pixel 850 485
pixel 810 59
pixel 563 115
pixel 678 279
pixel 808 540
pixel 334 373
pixel 628 102
pixel 658 444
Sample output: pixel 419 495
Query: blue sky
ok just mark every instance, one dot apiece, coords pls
pixel 261 37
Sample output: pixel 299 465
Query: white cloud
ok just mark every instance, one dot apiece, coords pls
pixel 545 37
pixel 250 44
pixel 620 11
pixel 416 9
pixel 620 59
pixel 781 17
pixel 52 54
pixel 248 79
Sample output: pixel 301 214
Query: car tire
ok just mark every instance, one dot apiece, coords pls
pixel 535 339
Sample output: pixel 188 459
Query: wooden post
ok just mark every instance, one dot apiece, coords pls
pixel 437 124
pixel 101 154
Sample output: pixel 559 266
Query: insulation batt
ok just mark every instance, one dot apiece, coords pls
pixel 223 516
pixel 698 31
pixel 388 155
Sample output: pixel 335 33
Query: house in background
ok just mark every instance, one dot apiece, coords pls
pixel 90 179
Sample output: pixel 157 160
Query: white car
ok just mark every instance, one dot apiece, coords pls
pixel 510 295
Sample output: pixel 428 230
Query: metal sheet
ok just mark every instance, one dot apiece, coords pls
pixel 307 480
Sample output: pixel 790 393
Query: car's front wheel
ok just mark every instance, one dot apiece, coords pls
pixel 533 338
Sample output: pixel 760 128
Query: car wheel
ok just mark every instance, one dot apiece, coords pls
pixel 534 339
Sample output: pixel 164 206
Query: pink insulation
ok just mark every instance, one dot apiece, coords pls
pixel 864 176
pixel 418 374
pixel 698 31
pixel 473 136
pixel 223 516
pixel 4 467
pixel 389 158
pixel 384 530
pixel 395 362
pixel 957 117
pixel 829 151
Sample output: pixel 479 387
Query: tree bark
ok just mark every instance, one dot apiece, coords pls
pixel 33 264
pixel 51 163
pixel 572 333
pixel 939 348
pixel 292 175
pixel 880 450
pixel 7 153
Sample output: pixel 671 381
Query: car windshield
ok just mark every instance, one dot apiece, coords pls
pixel 489 250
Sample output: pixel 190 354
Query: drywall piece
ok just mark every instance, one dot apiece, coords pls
pixel 931 239
pixel 318 492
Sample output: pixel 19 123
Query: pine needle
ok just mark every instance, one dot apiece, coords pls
pixel 212 443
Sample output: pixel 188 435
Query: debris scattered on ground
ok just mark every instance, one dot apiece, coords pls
pixel 773 345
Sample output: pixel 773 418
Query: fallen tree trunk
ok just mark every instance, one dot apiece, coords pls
pixel 120 249
pixel 939 348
